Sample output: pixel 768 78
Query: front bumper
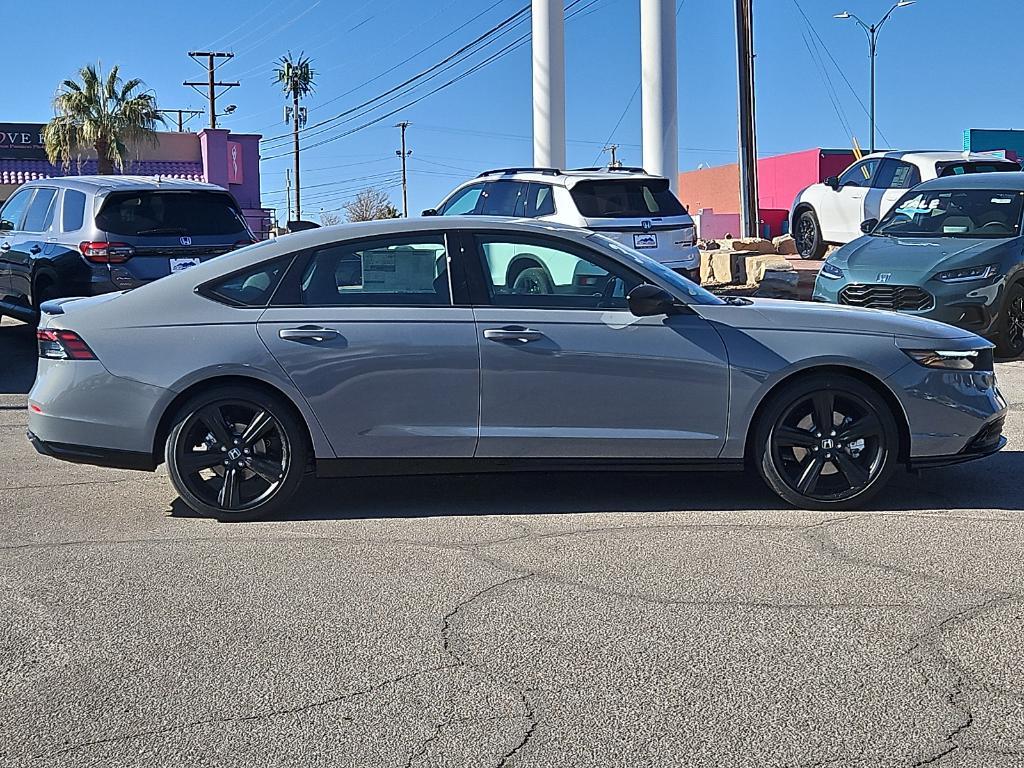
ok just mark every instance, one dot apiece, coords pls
pixel 988 441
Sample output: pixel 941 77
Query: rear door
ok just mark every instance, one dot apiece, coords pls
pixel 171 230
pixel 567 371
pixel 30 243
pixel 370 335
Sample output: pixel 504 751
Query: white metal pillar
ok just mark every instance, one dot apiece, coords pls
pixel 548 84
pixel 658 90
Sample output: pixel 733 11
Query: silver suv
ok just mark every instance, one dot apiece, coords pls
pixel 86 235
pixel 627 204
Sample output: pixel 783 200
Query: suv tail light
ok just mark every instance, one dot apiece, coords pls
pixel 62 345
pixel 101 252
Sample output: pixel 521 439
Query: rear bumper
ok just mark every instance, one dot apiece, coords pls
pixel 87 454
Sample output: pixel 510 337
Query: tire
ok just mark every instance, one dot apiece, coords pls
pixel 533 280
pixel 236 453
pixel 824 473
pixel 1010 341
pixel 42 293
pixel 807 233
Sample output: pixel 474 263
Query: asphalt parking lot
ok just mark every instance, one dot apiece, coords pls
pixel 562 620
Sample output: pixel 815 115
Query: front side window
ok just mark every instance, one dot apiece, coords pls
pixel 626 199
pixel 531 274
pixel 73 214
pixel 410 271
pixel 193 213
pixel 859 174
pixel 895 174
pixel 14 209
pixel 40 210
pixel 252 287
pixel 464 202
pixel 970 213
pixel 503 198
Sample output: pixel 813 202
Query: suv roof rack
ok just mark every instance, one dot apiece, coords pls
pixel 613 169
pixel 545 171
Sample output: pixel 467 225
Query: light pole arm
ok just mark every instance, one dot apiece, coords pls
pixel 885 18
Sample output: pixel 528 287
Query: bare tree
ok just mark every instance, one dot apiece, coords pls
pixel 329 219
pixel 369 205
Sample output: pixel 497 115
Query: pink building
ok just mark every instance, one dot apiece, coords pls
pixel 712 195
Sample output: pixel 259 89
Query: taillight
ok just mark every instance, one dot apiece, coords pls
pixel 101 252
pixel 62 345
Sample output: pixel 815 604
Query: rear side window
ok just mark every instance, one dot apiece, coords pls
pixel 40 210
pixel 626 198
pixel 503 198
pixel 380 272
pixel 14 209
pixel 252 287
pixel 193 213
pixel 539 200
pixel 895 174
pixel 73 215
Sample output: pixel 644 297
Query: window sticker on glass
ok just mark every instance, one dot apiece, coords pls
pixel 1002 200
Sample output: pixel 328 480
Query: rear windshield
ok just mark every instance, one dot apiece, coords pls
pixel 626 199
pixel 970 213
pixel 193 213
pixel 986 166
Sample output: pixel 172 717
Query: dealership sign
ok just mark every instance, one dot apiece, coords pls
pixel 22 141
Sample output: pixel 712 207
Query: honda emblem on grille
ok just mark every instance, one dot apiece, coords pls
pixel 646 224
pixel 884 277
pixel 185 240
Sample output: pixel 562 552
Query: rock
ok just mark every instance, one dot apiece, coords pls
pixel 778 284
pixel 729 266
pixel 708 245
pixel 758 264
pixel 757 244
pixel 785 245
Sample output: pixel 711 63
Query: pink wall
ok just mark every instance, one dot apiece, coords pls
pixel 780 178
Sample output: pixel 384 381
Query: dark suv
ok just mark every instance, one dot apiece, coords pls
pixel 84 235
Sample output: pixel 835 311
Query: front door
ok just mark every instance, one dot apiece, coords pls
pixel 842 211
pixel 567 371
pixel 368 332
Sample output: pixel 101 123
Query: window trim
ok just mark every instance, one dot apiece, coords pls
pixel 457 290
pixel 46 216
pixel 869 180
pixel 31 192
pixel 480 295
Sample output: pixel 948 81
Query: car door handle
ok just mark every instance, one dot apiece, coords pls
pixel 308 333
pixel 513 333
pixel 35 249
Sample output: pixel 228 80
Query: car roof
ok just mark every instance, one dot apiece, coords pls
pixel 113 183
pixel 940 156
pixel 567 178
pixel 1004 181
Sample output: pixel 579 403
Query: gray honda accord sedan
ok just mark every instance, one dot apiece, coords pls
pixel 475 344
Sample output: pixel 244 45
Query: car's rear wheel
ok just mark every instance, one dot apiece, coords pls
pixel 235 453
pixel 827 442
pixel 533 280
pixel 1010 343
pixel 807 233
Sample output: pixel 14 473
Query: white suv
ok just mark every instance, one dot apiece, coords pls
pixel 832 212
pixel 627 204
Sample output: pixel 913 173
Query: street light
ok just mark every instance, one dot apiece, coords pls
pixel 872 31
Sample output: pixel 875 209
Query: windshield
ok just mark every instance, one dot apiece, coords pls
pixel 971 213
pixel 696 294
pixel 194 213
pixel 626 199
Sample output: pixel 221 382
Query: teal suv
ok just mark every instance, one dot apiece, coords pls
pixel 951 250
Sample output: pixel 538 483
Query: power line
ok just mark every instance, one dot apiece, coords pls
pixel 211 84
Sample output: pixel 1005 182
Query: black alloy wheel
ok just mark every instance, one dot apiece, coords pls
pixel 235 454
pixel 829 443
pixel 807 233
pixel 1010 343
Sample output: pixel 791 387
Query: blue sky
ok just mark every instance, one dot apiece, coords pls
pixel 944 65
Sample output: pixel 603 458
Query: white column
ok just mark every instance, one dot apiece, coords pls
pixel 658 89
pixel 548 84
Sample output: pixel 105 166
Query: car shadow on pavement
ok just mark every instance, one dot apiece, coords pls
pixel 985 485
pixel 18 358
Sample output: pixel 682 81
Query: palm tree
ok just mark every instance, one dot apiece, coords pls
pixel 101 113
pixel 295 75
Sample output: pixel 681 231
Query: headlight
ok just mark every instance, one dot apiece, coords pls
pixel 831 271
pixel 953 360
pixel 968 273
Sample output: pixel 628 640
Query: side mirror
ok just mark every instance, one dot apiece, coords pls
pixel 430 212
pixel 650 300
pixel 868 225
pixel 833 181
pixel 6 226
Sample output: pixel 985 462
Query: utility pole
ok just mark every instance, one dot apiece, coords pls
pixel 403 153
pixel 288 193
pixel 211 84
pixel 295 147
pixel 548 30
pixel 659 105
pixel 614 162
pixel 181 113
pixel 749 209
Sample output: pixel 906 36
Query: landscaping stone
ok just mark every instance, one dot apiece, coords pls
pixel 758 264
pixel 708 245
pixel 756 244
pixel 785 245
pixel 778 284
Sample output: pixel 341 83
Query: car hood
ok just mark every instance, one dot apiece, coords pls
pixel 778 314
pixel 864 258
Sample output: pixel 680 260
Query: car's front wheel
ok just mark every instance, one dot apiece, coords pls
pixel 827 442
pixel 807 233
pixel 1010 343
pixel 235 453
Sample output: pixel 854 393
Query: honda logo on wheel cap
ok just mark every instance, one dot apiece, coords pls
pixel 185 240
